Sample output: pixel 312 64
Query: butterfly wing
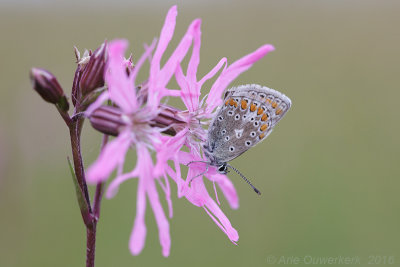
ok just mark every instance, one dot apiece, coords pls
pixel 247 117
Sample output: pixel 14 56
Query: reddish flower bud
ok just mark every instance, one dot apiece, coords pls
pixel 107 120
pixel 47 86
pixel 93 73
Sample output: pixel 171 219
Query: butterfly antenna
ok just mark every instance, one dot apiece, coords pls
pixel 244 178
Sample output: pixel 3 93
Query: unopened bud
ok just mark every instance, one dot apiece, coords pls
pixel 93 73
pixel 169 117
pixel 47 86
pixel 107 120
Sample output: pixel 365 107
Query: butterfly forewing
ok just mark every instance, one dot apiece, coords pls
pixel 247 116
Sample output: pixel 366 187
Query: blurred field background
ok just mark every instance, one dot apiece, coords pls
pixel 329 172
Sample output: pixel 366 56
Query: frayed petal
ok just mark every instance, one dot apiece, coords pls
pixel 165 37
pixel 231 73
pixel 189 92
pixel 214 71
pixel 142 59
pixel 167 191
pixel 138 236
pixel 167 150
pixel 144 166
pixel 159 78
pixel 230 232
pixel 227 188
pixel 162 222
pixel 112 155
pixel 177 56
pixel 216 213
pixel 195 58
pixel 113 188
pixel 120 87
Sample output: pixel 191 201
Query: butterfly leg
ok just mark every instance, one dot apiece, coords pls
pixel 201 174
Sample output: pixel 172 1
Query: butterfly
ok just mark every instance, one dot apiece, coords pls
pixel 247 116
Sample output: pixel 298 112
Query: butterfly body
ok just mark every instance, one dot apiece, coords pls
pixel 246 117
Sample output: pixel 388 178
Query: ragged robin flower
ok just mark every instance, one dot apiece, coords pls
pixel 134 128
pixel 194 134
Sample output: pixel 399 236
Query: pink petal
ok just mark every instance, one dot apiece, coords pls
pixel 190 91
pixel 139 63
pixel 112 189
pixel 177 56
pixel 144 166
pixel 195 58
pixel 230 232
pixel 162 222
pixel 216 214
pixel 216 193
pixel 227 188
pixel 167 150
pixel 159 78
pixel 198 195
pixel 165 37
pixel 147 184
pixel 189 97
pixel 213 71
pixel 138 236
pixel 120 87
pixel 111 156
pixel 167 191
pixel 231 73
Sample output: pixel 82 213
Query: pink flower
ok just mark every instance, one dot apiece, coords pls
pixel 193 133
pixel 137 132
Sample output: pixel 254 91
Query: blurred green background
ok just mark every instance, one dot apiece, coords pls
pixel 329 172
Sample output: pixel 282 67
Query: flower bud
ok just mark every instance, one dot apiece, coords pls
pixel 92 76
pixel 169 116
pixel 107 119
pixel 47 86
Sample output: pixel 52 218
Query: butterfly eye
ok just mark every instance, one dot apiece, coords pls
pixel 256 123
pixel 226 94
pixel 248 143
pixel 222 169
pixel 223 132
pixel 253 134
pixel 227 138
pixel 237 117
pixel 220 118
pixel 230 113
pixel 231 149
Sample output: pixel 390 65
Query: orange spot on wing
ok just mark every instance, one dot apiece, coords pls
pixel 261 136
pixel 260 111
pixel 264 127
pixel 278 111
pixel 227 102
pixel 268 100
pixel 253 107
pixel 243 104
pixel 233 103
pixel 274 104
pixel 264 117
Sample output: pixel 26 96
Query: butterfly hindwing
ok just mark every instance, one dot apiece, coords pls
pixel 247 117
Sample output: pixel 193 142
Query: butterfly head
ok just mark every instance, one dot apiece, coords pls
pixel 223 168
